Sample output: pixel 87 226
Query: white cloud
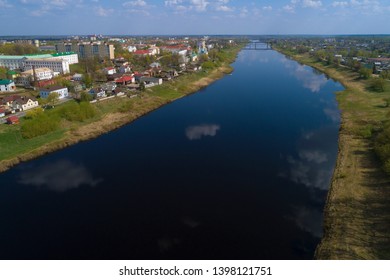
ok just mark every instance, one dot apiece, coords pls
pixel 244 12
pixel 173 2
pixel 58 3
pixel 136 3
pixel 311 4
pixel 224 8
pixel 103 12
pixel 267 8
pixel 5 4
pixel 342 4
pixel 197 132
pixel 199 5
pixel 289 8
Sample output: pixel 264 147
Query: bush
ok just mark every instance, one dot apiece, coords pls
pixel 76 112
pixel 382 148
pixel 39 125
pixel 208 65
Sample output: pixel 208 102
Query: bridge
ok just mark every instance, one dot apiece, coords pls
pixel 258 46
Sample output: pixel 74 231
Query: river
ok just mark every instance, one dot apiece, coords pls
pixel 238 170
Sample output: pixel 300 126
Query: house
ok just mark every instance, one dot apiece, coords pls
pixel 97 93
pixel 125 80
pixel 151 81
pixel 13 120
pixel 143 52
pixel 42 73
pixel 154 50
pixel 24 103
pixel 60 90
pixel 77 77
pixel 7 101
pixel 125 68
pixel 109 70
pixel 109 87
pixel 131 48
pixel 155 65
pixel 119 92
pixel 7 85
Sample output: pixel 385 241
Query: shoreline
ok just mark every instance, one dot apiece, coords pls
pixel 356 213
pixel 115 120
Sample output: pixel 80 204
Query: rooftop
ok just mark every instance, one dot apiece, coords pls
pixel 5 82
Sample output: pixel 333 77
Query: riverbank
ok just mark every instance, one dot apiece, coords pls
pixel 357 211
pixel 113 114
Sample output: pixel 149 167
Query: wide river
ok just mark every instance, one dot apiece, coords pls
pixel 238 170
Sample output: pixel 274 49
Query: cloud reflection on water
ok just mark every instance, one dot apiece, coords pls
pixel 59 176
pixel 199 131
pixel 309 78
pixel 314 163
pixel 309 220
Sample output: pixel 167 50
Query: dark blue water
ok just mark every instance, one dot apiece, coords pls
pixel 239 170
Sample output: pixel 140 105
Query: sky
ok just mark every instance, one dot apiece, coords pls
pixel 194 17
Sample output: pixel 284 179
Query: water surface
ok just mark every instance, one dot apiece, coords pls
pixel 239 170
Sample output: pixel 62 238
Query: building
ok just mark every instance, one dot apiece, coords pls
pixel 77 77
pixel 13 120
pixel 7 85
pixel 97 93
pixel 43 73
pixel 24 103
pixel 88 49
pixel 131 48
pixel 58 62
pixel 143 52
pixel 60 90
pixel 109 71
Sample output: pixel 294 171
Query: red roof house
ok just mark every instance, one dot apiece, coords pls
pixel 13 120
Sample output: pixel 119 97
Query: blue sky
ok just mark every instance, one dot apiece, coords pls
pixel 137 17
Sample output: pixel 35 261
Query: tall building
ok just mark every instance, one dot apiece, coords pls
pixel 88 49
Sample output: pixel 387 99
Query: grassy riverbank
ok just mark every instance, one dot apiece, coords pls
pixel 357 212
pixel 110 115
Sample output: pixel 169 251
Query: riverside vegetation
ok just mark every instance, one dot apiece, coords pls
pixel 357 213
pixel 41 132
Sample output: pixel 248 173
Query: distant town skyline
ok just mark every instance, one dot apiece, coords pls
pixel 196 17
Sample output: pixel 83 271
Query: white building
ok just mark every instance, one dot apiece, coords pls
pixel 71 57
pixel 77 77
pixel 131 48
pixel 44 73
pixel 61 91
pixel 58 62
pixel 57 65
pixel 109 71
pixel 24 103
pixel 7 85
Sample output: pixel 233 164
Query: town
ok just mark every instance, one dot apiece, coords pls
pixel 43 74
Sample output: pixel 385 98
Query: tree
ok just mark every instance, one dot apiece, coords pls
pixel 365 73
pixel 53 98
pixel 3 73
pixel 378 84
pixel 85 97
pixel 142 86
pixel 87 79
